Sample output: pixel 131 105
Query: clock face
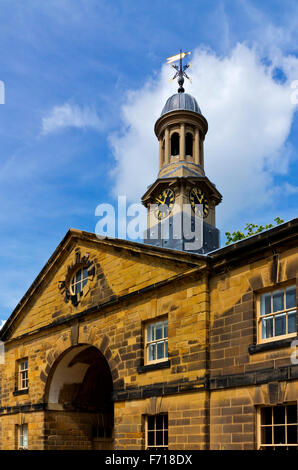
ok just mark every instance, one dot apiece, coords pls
pixel 165 202
pixel 197 197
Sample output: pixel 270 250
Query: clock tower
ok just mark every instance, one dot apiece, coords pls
pixel 181 202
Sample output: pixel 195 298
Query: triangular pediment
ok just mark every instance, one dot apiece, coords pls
pixel 113 269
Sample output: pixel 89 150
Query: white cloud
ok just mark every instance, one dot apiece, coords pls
pixel 69 115
pixel 249 116
pixel 290 189
pixel 2 322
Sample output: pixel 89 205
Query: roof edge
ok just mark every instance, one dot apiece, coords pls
pixel 266 238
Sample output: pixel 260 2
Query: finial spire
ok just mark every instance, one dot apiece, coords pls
pixel 180 71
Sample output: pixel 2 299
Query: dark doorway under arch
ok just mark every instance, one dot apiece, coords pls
pixel 80 410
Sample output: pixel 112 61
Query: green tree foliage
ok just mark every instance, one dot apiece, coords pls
pixel 250 229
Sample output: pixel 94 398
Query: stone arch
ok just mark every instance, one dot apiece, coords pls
pixel 88 338
pixel 79 399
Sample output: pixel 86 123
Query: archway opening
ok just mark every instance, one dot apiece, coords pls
pixel 175 150
pixel 79 397
pixel 188 144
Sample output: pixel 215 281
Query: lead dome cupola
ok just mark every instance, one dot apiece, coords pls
pixel 181 101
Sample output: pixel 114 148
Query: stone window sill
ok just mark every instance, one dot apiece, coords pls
pixel 282 343
pixel 149 367
pixel 25 391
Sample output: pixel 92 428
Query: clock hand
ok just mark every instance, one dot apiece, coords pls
pixel 158 200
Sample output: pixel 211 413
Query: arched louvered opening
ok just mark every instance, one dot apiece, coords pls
pixel 175 144
pixel 188 144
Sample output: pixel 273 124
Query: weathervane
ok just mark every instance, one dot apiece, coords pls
pixel 180 71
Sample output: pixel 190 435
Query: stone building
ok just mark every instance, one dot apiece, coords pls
pixel 124 345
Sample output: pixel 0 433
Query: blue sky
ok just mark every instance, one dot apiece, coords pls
pixel 85 81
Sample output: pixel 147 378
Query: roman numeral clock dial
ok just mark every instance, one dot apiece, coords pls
pixel 199 202
pixel 165 202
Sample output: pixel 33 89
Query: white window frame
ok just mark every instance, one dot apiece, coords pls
pixel 163 340
pixel 23 436
pixel 262 446
pixel 164 429
pixel 74 283
pixel 23 374
pixel 274 314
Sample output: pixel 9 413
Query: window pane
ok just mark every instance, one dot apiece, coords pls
pixel 151 352
pixel 158 331
pixel 279 415
pixel 160 350
pixel 151 421
pixel 25 439
pixel 291 322
pixel 166 348
pixel 85 282
pixel 78 275
pixel 149 333
pixel 278 300
pixel 279 434
pixel 292 414
pixel 159 422
pixel 159 438
pixel 165 438
pixel 265 304
pixel 266 435
pixel 20 436
pixel 291 297
pixel 78 288
pixel 85 273
pixel 280 324
pixel 266 416
pixel 150 438
pixel 292 434
pixel 267 327
pixel 166 329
